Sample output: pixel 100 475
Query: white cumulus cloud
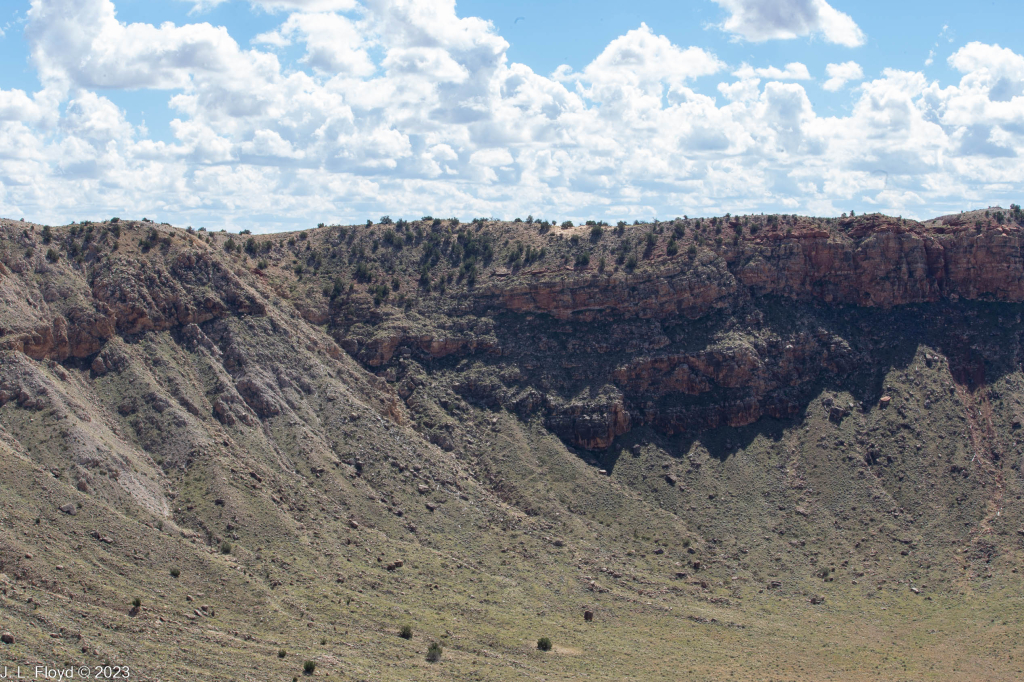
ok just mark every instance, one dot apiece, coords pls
pixel 840 74
pixel 404 107
pixel 794 71
pixel 760 20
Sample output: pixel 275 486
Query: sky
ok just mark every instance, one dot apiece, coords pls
pixel 280 114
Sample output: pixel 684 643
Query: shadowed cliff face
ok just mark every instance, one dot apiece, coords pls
pixel 679 342
pixel 682 344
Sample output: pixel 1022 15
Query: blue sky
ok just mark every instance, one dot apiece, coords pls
pixel 281 113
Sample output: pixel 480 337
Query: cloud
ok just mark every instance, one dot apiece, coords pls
pixel 794 71
pixel 81 43
pixel 199 6
pixel 404 107
pixel 642 59
pixel 333 42
pixel 761 20
pixel 840 74
pixel 305 5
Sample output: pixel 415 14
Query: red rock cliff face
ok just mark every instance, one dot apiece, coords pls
pixel 887 264
pixel 870 261
pixel 55 312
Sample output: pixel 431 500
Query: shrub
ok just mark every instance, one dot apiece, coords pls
pixel 392 239
pixel 115 219
pixel 225 547
pixel 229 245
pixel 405 632
pixel 566 224
pixel 323 641
pixel 262 264
pixel 175 572
pixel 52 256
pixel 434 652
pixel 281 653
pixel 136 602
pixel 245 232
pixel 362 273
pixel 583 260
pixel 692 250
pixel 308 667
pixel 672 248
pixel 596 232
pixel 544 644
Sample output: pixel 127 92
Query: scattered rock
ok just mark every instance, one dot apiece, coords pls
pixel 670 479
pixel 69 509
pixel 884 400
pixel 817 599
pixel 352 523
pixel 802 512
pixel 7 638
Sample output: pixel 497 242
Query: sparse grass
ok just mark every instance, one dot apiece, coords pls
pixel 500 578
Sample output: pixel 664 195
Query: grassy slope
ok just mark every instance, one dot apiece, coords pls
pixel 521 529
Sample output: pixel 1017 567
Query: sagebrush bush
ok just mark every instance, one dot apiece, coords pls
pixel 405 632
pixel 308 667
pixel 544 644
pixel 434 652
